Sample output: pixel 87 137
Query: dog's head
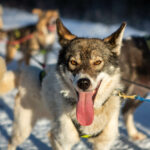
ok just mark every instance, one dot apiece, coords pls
pixel 47 20
pixel 87 61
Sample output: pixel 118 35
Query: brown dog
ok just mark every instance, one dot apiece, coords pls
pixel 1 13
pixel 135 66
pixel 32 38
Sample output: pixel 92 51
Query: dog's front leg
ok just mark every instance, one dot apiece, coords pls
pixel 63 135
pixel 11 51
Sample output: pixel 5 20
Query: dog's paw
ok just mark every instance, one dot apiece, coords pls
pixel 11 147
pixel 138 136
pixel 2 67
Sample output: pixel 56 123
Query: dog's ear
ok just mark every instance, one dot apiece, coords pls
pixel 115 39
pixel 53 13
pixel 65 36
pixel 37 11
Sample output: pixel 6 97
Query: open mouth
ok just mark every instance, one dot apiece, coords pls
pixel 51 28
pixel 85 108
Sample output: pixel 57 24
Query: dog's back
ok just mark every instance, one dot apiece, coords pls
pixel 135 66
pixel 135 63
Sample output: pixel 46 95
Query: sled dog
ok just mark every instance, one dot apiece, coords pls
pixel 77 94
pixel 135 66
pixel 32 38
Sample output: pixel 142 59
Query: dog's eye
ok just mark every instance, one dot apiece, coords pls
pixel 98 62
pixel 73 62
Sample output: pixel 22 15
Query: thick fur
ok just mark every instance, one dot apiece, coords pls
pixel 135 66
pixel 34 37
pixel 56 98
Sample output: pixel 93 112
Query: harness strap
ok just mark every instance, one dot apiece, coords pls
pixel 42 74
pixel 91 136
pixel 138 84
pixel 22 40
pixel 83 135
pixel 133 97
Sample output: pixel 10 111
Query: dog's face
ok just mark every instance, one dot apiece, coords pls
pixel 47 20
pixel 87 61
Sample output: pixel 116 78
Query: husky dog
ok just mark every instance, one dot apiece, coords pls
pixel 1 13
pixel 135 66
pixel 77 94
pixel 30 39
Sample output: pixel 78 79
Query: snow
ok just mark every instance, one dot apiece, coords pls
pixel 38 139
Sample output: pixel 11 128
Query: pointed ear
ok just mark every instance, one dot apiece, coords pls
pixel 115 39
pixel 37 11
pixel 65 36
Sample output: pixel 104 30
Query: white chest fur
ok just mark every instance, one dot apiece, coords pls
pixel 50 38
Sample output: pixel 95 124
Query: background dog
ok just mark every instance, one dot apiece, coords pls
pixel 135 66
pixel 32 38
pixel 1 13
pixel 77 94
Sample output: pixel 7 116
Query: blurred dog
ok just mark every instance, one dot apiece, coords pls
pixel 1 13
pixel 135 66
pixel 77 94
pixel 32 38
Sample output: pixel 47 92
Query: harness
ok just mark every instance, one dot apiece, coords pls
pixel 21 40
pixel 83 135
pixel 42 74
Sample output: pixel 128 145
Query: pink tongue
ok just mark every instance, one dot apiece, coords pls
pixel 84 110
pixel 51 28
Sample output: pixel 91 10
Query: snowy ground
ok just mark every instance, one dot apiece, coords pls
pixel 38 139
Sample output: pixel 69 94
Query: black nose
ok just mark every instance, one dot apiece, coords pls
pixel 83 83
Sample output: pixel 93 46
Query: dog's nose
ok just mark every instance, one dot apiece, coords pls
pixel 83 83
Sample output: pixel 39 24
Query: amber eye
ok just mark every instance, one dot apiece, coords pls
pixel 73 62
pixel 98 62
